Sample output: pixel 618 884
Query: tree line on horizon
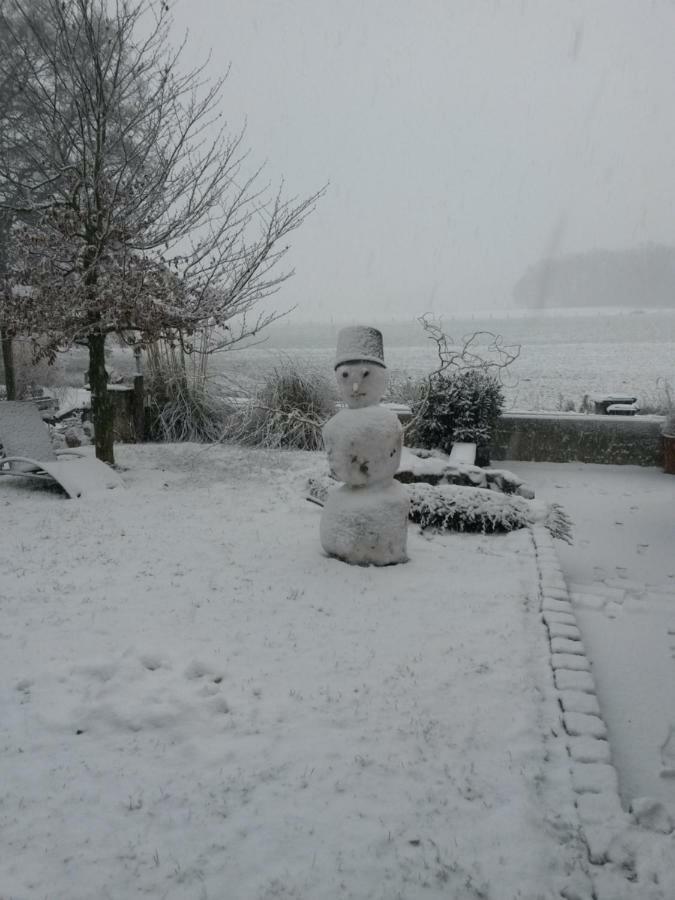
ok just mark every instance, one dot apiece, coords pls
pixel 642 277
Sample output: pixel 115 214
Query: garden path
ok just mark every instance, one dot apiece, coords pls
pixel 621 576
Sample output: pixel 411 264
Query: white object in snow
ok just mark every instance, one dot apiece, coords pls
pixel 623 409
pixel 365 522
pixel 462 454
pixel 366 526
pixel 79 477
pixel 363 445
pixel 360 343
pixel 27 451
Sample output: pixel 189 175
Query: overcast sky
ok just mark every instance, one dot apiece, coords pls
pixel 463 139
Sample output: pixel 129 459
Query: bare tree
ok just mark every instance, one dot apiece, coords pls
pixel 135 217
pixel 482 350
pixel 7 350
pixel 6 345
pixel 13 75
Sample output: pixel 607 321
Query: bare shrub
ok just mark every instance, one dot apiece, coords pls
pixel 660 401
pixel 586 405
pixel 405 389
pixel 288 411
pixel 462 398
pixel 564 404
pixel 183 404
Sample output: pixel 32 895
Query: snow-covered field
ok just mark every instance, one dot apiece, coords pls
pixel 198 704
pixel 562 356
pixel 544 377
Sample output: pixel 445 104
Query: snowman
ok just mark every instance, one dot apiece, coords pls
pixel 365 521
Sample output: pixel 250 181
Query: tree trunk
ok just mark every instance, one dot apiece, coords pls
pixel 101 407
pixel 8 362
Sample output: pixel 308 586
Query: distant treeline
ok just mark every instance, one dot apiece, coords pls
pixel 642 278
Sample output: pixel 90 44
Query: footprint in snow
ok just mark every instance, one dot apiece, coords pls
pixel 135 693
pixel 150 662
pixel 668 754
pixel 197 670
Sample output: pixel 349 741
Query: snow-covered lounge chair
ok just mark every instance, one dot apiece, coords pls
pixel 26 450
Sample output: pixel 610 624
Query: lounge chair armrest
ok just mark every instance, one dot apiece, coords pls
pixel 27 464
pixel 70 453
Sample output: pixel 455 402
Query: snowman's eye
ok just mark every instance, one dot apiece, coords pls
pixel 345 374
pixel 365 373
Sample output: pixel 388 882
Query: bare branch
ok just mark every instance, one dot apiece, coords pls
pixel 482 350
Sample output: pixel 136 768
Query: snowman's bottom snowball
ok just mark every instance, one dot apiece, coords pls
pixel 366 526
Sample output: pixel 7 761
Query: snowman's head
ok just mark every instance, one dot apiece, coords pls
pixel 361 383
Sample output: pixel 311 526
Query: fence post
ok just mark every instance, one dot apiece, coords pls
pixel 138 405
pixel 8 362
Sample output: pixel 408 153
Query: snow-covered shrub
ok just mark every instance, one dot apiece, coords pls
pixel 457 508
pixel 434 467
pixel 183 405
pixel 457 406
pixel 288 411
pixel 555 519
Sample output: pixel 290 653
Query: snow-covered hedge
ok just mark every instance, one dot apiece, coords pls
pixel 450 507
pixel 457 406
pixel 457 508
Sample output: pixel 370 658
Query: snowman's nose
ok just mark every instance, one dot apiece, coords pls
pixel 355 387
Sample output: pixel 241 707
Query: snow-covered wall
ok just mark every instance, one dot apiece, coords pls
pixel 559 437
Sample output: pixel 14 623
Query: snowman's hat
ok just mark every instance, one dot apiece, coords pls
pixel 360 343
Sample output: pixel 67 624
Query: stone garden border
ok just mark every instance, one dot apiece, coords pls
pixel 594 778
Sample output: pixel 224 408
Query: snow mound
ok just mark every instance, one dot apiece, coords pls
pixel 132 693
pixel 435 467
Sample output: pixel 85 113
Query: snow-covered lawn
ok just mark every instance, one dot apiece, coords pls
pixel 196 703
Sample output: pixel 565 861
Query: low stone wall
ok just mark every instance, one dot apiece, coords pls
pixel 569 437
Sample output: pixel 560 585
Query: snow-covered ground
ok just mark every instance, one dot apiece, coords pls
pixel 198 704
pixel 621 576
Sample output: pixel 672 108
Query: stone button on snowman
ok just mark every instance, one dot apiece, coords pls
pixel 365 521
